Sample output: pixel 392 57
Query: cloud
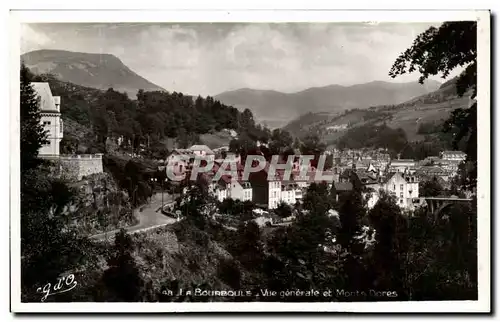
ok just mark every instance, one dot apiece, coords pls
pixel 211 58
pixel 32 39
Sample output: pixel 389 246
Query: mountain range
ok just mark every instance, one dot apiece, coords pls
pixel 276 108
pixel 273 108
pixel 100 71
pixel 431 108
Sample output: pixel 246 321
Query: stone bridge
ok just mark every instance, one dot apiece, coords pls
pixel 436 205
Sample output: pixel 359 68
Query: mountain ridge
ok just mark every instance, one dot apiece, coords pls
pixel 432 108
pixel 271 106
pixel 95 70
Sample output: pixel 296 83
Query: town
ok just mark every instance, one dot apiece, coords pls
pixel 373 170
pixel 288 185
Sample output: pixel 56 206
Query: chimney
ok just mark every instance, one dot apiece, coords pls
pixel 57 102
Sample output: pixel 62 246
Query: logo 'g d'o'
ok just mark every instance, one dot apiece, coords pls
pixel 63 284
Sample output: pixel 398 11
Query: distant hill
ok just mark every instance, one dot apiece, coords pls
pixel 433 107
pixel 276 108
pixel 100 71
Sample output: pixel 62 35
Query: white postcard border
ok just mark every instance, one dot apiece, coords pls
pixel 483 98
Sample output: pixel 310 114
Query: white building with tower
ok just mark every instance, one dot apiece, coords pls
pixel 72 166
pixel 50 117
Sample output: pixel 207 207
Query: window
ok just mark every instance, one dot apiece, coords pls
pixel 400 200
pixel 401 195
pixel 400 187
pixel 394 187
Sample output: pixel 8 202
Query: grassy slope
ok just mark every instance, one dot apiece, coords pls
pixel 435 106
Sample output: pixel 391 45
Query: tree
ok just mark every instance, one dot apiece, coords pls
pixel 48 245
pixel 123 277
pixel 248 244
pixel 430 188
pixel 440 51
pixel 33 135
pixel 317 198
pixel 280 141
pixel 351 213
pixel 391 244
pixel 69 145
pixel 312 145
pixel 247 122
pixel 283 210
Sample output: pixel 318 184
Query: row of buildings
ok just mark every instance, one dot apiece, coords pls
pixel 373 169
pixel 376 171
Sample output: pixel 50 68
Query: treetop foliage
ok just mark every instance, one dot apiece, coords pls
pixel 441 50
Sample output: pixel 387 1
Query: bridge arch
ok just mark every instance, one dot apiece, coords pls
pixel 437 205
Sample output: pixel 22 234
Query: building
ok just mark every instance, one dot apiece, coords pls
pixel 73 167
pixel 403 186
pixel 341 188
pixel 240 190
pixel 453 156
pixel 272 192
pixel 336 128
pixel 221 190
pixel 50 118
pixel 234 189
pixel 434 171
pixel 178 162
pixel 228 187
pixel 203 151
pixel 402 165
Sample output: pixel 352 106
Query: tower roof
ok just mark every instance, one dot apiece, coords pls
pixel 47 101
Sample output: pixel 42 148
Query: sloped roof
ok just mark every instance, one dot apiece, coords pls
pixel 343 186
pixel 402 161
pixel 47 102
pixel 201 147
pixel 454 152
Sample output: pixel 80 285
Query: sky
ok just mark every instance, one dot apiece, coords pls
pixel 210 58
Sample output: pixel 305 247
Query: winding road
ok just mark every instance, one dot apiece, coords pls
pixel 150 217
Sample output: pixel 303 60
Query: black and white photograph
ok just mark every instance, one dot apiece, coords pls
pixel 337 162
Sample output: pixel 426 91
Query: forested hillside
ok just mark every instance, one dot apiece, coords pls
pixel 98 117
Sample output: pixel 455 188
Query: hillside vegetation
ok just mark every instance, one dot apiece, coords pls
pixel 433 107
pixel 95 119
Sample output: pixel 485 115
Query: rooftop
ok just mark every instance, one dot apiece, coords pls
pixel 48 103
pixel 201 147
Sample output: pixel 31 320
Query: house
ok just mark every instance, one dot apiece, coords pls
pixel 434 171
pixel 341 188
pixel 50 118
pixel 431 160
pixel 403 186
pixel 272 192
pixel 337 127
pixel 203 151
pixel 288 193
pixel 240 190
pixel 178 162
pixel 228 187
pixel 221 190
pixel 402 165
pixel 453 156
